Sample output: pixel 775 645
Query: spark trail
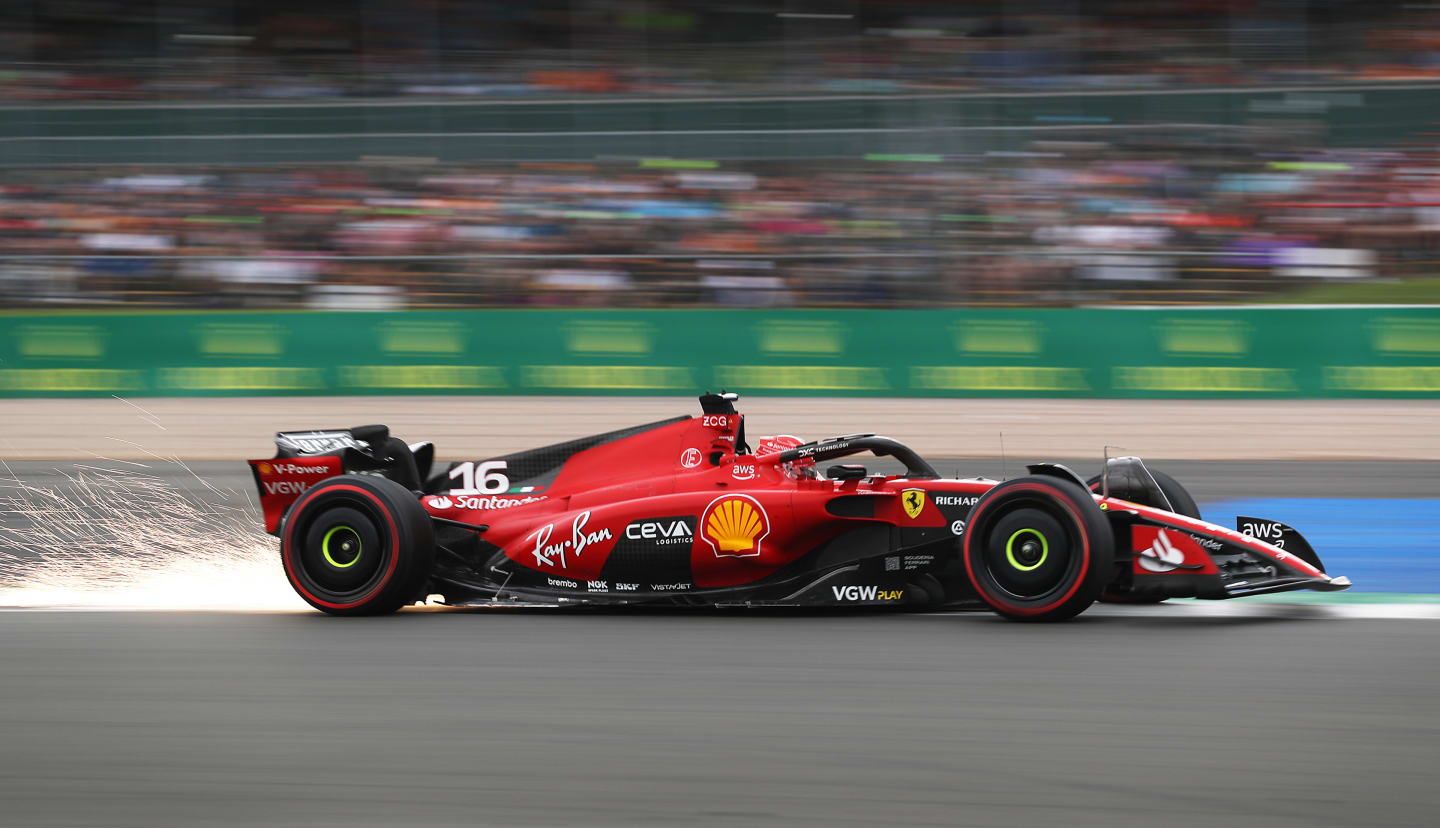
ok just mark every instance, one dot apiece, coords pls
pixel 113 535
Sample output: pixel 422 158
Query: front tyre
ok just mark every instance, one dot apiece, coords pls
pixel 357 545
pixel 1181 503
pixel 1038 549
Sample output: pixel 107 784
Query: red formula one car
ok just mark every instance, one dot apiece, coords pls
pixel 682 512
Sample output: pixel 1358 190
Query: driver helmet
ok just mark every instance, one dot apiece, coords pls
pixel 804 467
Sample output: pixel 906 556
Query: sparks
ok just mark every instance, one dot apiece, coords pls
pixel 125 538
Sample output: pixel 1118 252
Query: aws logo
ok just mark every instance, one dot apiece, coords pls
pixel 734 525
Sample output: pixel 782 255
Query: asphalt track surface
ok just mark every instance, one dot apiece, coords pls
pixel 1280 716
pixel 509 719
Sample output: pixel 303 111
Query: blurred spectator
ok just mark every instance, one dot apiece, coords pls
pixel 1181 216
pixel 1181 213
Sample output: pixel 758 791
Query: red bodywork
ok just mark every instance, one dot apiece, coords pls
pixel 668 510
pixel 752 517
pixel 569 530
pixel 1191 527
pixel 281 482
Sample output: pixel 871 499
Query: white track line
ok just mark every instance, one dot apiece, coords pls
pixel 1272 609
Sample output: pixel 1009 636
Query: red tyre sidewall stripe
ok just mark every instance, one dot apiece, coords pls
pixel 288 547
pixel 1084 543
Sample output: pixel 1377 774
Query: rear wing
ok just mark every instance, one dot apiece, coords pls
pixel 304 458
pixel 281 481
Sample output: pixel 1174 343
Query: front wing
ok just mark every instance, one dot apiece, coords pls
pixel 1175 556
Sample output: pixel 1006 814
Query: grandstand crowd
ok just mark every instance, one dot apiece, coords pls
pixel 1184 218
pixel 1233 209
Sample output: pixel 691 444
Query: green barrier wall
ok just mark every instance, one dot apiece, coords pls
pixel 1249 352
pixel 724 128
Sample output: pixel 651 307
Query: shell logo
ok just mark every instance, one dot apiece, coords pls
pixel 734 525
pixel 265 468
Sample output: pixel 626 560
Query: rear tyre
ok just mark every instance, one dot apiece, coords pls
pixel 357 545
pixel 1181 503
pixel 1038 549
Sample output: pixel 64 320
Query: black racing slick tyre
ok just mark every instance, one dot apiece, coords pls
pixel 357 545
pixel 1038 549
pixel 1181 503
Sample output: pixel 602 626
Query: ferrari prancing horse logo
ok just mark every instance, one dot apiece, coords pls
pixel 914 502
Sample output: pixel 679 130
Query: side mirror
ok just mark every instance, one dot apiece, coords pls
pixel 845 471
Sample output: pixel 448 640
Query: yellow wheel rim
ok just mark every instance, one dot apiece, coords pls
pixel 344 545
pixel 1010 550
